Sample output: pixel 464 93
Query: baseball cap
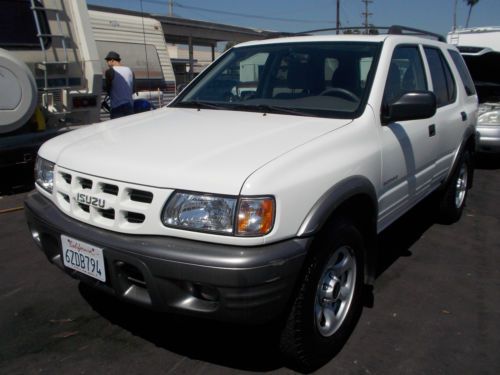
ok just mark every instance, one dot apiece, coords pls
pixel 112 55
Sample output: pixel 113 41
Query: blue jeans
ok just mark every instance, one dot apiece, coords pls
pixel 122 111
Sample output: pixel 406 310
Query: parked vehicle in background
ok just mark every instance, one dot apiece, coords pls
pixel 480 47
pixel 50 78
pixel 257 195
pixel 141 45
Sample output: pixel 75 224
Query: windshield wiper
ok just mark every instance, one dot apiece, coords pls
pixel 200 104
pixel 268 108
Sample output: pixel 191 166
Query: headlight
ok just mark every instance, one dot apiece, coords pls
pixel 489 118
pixel 44 174
pixel 200 212
pixel 219 214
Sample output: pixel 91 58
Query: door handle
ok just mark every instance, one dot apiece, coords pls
pixel 432 130
pixel 464 116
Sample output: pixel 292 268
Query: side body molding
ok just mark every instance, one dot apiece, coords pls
pixel 333 198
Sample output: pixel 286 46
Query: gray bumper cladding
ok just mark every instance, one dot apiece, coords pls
pixel 228 283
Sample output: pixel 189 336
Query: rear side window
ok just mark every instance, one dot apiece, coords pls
pixel 459 62
pixel 442 79
pixel 18 28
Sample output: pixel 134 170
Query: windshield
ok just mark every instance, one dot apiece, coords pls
pixel 484 72
pixel 327 79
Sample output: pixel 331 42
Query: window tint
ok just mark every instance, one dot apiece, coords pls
pixel 442 79
pixel 406 73
pixel 463 71
pixel 17 25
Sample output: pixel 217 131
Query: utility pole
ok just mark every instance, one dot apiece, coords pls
pixel 366 14
pixel 338 16
pixel 455 16
pixel 170 8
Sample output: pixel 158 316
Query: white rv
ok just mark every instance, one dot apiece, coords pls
pixel 480 48
pixel 50 77
pixel 141 45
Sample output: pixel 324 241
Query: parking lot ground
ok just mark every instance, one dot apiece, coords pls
pixel 436 308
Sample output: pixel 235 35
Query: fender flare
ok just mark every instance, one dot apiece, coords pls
pixel 332 199
pixel 469 134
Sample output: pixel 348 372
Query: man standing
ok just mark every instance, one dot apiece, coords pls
pixel 119 85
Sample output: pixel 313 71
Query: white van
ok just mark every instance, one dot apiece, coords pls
pixel 141 45
pixel 480 47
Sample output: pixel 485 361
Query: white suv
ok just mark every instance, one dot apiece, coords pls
pixel 259 192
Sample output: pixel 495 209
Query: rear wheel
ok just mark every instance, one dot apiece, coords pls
pixel 454 197
pixel 329 299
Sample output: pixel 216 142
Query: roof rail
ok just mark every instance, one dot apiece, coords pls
pixel 398 29
pixel 376 30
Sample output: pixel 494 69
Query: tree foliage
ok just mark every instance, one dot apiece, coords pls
pixel 470 4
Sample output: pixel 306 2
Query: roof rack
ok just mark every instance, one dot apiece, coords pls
pixel 376 30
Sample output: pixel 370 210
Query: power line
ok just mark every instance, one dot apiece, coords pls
pixel 255 16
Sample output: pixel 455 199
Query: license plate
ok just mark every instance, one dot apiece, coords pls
pixel 83 257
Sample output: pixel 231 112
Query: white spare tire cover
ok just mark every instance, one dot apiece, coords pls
pixel 18 92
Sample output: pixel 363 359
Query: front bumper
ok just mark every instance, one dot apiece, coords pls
pixel 489 138
pixel 228 283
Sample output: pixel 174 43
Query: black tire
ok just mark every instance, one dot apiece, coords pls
pixel 328 300
pixel 453 199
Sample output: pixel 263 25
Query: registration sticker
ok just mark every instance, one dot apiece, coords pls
pixel 83 257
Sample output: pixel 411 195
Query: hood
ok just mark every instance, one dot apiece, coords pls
pixel 178 148
pixel 484 71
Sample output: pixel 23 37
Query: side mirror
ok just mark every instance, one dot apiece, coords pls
pixel 413 105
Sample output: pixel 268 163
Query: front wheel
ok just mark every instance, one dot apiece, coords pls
pixel 329 299
pixel 455 194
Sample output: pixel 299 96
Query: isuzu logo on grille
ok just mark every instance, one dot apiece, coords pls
pixel 90 200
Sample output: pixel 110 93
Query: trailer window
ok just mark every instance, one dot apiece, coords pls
pixel 142 59
pixel 18 28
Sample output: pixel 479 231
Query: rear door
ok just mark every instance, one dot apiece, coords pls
pixel 451 116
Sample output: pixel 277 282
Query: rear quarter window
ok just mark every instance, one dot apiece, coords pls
pixel 459 62
pixel 442 79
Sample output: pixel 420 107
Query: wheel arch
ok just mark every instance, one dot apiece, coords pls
pixel 468 143
pixel 354 198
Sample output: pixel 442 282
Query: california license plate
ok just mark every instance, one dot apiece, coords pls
pixel 83 257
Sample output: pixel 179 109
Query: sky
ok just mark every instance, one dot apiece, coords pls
pixel 302 15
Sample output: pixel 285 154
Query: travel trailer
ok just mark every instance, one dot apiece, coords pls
pixel 480 48
pixel 51 73
pixel 141 45
pixel 50 78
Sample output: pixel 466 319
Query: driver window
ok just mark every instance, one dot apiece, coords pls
pixel 237 79
pixel 406 73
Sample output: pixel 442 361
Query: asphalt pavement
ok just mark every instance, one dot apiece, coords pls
pixel 436 308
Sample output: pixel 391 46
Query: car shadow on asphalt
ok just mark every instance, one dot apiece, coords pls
pixel 487 161
pixel 395 241
pixel 248 348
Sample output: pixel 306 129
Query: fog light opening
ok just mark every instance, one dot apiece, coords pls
pixel 205 292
